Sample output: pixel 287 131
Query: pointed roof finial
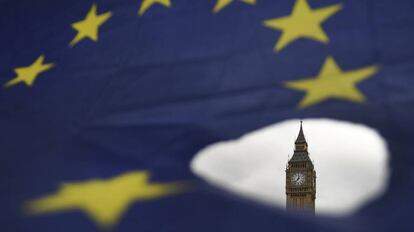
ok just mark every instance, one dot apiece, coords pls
pixel 301 136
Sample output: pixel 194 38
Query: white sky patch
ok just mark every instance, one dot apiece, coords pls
pixel 351 163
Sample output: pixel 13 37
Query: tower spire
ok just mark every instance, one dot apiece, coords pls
pixel 301 136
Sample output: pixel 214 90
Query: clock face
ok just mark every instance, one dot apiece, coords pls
pixel 298 178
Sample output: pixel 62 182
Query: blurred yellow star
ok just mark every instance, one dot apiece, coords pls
pixel 29 74
pixel 304 22
pixel 146 4
pixel 89 27
pixel 105 201
pixel 221 4
pixel 332 82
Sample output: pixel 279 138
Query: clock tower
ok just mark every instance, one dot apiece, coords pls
pixel 300 178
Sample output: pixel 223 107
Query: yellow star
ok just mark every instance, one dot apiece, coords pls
pixel 105 201
pixel 146 4
pixel 304 22
pixel 220 4
pixel 332 82
pixel 88 28
pixel 29 74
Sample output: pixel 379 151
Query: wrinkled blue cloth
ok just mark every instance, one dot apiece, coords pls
pixel 156 88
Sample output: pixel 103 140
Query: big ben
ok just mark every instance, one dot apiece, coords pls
pixel 300 178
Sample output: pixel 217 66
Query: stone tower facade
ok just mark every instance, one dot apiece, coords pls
pixel 300 178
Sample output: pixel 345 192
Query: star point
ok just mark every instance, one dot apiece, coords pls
pixel 29 74
pixel 89 27
pixel 105 201
pixel 332 82
pixel 303 22
pixel 146 4
pixel 221 4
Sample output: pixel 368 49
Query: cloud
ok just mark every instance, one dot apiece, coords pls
pixel 351 163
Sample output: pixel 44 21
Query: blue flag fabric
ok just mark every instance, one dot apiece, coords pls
pixel 103 104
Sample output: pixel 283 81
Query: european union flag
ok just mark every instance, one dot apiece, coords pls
pixel 104 104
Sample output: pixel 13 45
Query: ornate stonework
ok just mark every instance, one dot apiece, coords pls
pixel 300 178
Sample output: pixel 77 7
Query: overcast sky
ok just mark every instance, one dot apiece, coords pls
pixel 350 162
